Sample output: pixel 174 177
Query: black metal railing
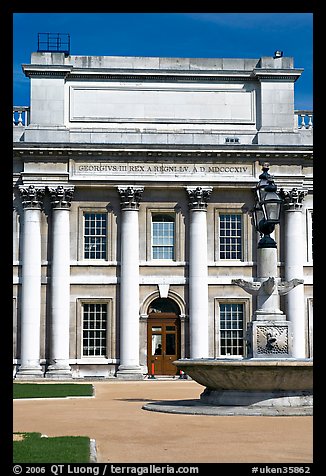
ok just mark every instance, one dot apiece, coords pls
pixel 53 42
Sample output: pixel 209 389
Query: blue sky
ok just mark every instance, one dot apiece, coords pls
pixel 201 35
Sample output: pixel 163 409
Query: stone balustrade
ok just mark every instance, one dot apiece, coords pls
pixel 304 119
pixel 20 116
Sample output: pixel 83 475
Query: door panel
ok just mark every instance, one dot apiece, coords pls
pixel 163 333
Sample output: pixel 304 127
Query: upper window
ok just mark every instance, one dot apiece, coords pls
pixel 95 235
pixel 230 236
pixel 163 236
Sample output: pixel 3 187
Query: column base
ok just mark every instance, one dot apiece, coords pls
pixel 130 372
pixel 29 372
pixel 261 315
pixel 58 370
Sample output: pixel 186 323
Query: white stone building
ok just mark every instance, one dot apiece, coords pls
pixel 133 178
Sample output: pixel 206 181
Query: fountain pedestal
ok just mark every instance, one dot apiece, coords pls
pixel 269 334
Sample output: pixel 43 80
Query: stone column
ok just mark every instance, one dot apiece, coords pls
pixel 294 254
pixel 60 283
pixel 129 367
pixel 198 274
pixel 30 367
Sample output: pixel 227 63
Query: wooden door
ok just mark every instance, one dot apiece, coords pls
pixel 163 343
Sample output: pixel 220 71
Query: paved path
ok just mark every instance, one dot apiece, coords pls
pixel 125 433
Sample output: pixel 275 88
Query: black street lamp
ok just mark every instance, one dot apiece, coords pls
pixel 267 208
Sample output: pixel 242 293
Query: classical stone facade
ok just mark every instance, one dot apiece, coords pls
pixel 133 179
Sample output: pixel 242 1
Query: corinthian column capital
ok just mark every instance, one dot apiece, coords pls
pixel 61 196
pixel 198 197
pixel 293 198
pixel 32 197
pixel 130 197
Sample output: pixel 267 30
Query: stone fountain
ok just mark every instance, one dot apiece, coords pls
pixel 269 380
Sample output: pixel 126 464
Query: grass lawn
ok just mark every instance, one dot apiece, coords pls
pixel 52 390
pixel 32 448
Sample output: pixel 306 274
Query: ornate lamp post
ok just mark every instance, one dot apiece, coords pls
pixel 269 334
pixel 267 210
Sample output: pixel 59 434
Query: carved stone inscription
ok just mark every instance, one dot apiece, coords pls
pixel 102 170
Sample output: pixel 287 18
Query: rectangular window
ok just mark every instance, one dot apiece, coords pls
pixel 231 329
pixel 95 235
pixel 230 236
pixel 94 330
pixel 163 237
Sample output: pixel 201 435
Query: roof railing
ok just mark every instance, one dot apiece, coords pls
pixel 53 42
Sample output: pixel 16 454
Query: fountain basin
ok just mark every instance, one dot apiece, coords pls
pixel 252 382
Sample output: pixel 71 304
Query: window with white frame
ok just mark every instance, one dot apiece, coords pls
pixel 95 317
pixel 163 236
pixel 95 235
pixel 230 236
pixel 231 329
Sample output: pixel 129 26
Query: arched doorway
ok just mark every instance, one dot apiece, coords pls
pixel 163 336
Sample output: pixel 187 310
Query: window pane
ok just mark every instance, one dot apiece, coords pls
pixel 157 344
pixel 163 237
pixel 170 344
pixel 230 234
pixel 94 329
pixel 95 235
pixel 231 329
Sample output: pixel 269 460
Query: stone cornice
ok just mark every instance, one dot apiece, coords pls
pixel 161 76
pixel 32 70
pixel 102 150
pixel 71 73
pixel 74 73
pixel 279 75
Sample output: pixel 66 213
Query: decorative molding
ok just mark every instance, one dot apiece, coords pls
pixel 123 76
pixel 272 340
pixel 130 197
pixel 293 198
pixel 240 152
pixel 61 196
pixel 32 197
pixel 198 197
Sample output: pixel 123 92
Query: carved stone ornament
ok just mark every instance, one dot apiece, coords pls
pixel 272 340
pixel 198 197
pixel 32 197
pixel 268 286
pixel 130 197
pixel 61 196
pixel 293 199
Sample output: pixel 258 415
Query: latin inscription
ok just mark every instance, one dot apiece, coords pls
pixel 124 169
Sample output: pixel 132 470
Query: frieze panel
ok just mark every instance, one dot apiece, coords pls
pixel 159 171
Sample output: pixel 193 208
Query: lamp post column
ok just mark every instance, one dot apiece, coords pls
pixel 129 367
pixel 30 367
pixel 269 334
pixel 294 252
pixel 198 276
pixel 60 283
